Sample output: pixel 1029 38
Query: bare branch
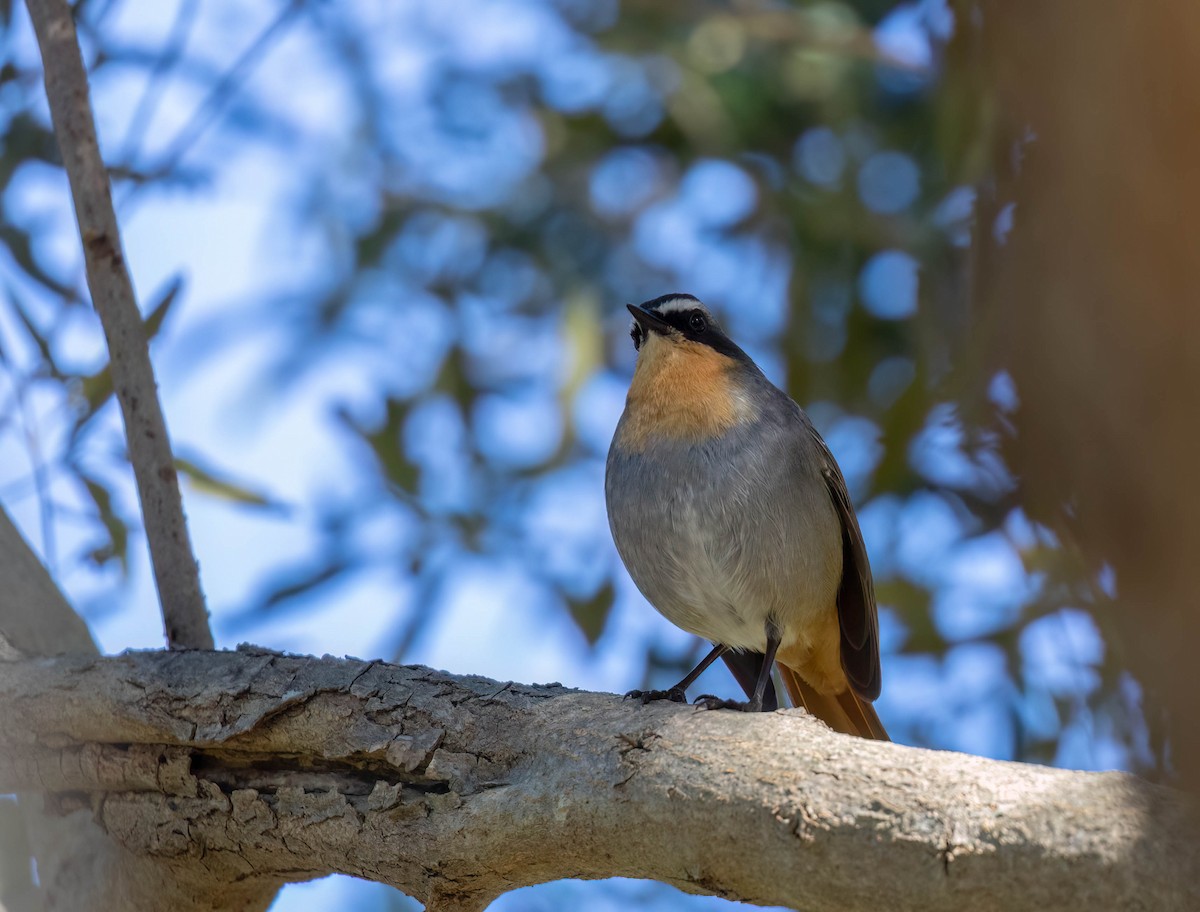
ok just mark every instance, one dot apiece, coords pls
pixel 260 768
pixel 177 577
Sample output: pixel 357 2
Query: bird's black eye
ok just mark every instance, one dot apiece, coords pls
pixel 635 333
pixel 697 322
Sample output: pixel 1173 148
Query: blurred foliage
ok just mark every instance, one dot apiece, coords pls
pixel 497 180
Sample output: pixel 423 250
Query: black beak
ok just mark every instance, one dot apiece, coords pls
pixel 649 320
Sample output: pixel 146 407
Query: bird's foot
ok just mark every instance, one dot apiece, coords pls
pixel 708 701
pixel 674 694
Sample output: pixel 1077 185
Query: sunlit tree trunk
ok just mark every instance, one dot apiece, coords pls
pixel 1096 298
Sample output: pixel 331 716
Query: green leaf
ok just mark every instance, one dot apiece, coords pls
pixel 96 389
pixel 158 313
pixel 591 614
pixel 20 246
pixel 912 603
pixel 35 333
pixel 386 442
pixel 117 547
pixel 218 484
pixel 453 379
pixel 303 583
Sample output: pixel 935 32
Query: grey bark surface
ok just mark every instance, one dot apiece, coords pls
pixel 80 868
pixel 35 618
pixel 176 575
pixel 254 768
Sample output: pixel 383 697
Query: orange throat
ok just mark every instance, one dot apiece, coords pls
pixel 681 390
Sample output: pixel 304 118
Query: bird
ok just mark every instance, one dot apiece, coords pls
pixel 734 521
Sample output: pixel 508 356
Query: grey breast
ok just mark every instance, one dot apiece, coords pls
pixel 723 535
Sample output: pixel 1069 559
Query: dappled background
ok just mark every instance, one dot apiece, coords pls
pixel 384 249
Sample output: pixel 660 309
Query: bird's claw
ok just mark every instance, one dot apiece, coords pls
pixel 674 694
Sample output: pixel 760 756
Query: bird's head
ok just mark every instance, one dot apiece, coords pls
pixel 682 322
pixel 690 377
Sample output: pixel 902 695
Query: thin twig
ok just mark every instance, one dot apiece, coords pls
pixel 156 81
pixel 175 572
pixel 28 427
pixel 38 465
pixel 225 88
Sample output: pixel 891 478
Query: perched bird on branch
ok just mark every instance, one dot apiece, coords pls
pixel 735 522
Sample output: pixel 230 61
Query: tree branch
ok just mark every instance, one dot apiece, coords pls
pixel 53 628
pixel 79 868
pixel 257 768
pixel 175 572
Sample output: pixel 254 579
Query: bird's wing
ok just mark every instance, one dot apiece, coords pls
pixel 857 615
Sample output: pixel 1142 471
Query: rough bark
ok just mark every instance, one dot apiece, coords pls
pixel 67 847
pixel 81 869
pixel 256 768
pixel 176 575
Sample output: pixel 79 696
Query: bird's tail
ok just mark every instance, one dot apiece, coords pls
pixel 846 712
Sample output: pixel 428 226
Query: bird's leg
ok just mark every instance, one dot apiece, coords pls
pixel 755 703
pixel 745 668
pixel 677 694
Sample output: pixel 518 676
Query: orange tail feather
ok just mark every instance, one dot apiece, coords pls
pixel 846 713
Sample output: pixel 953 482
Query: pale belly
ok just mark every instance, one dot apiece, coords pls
pixel 723 542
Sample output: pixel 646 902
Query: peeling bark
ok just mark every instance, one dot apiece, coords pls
pixel 256 769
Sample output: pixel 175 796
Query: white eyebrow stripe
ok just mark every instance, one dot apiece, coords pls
pixel 675 305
